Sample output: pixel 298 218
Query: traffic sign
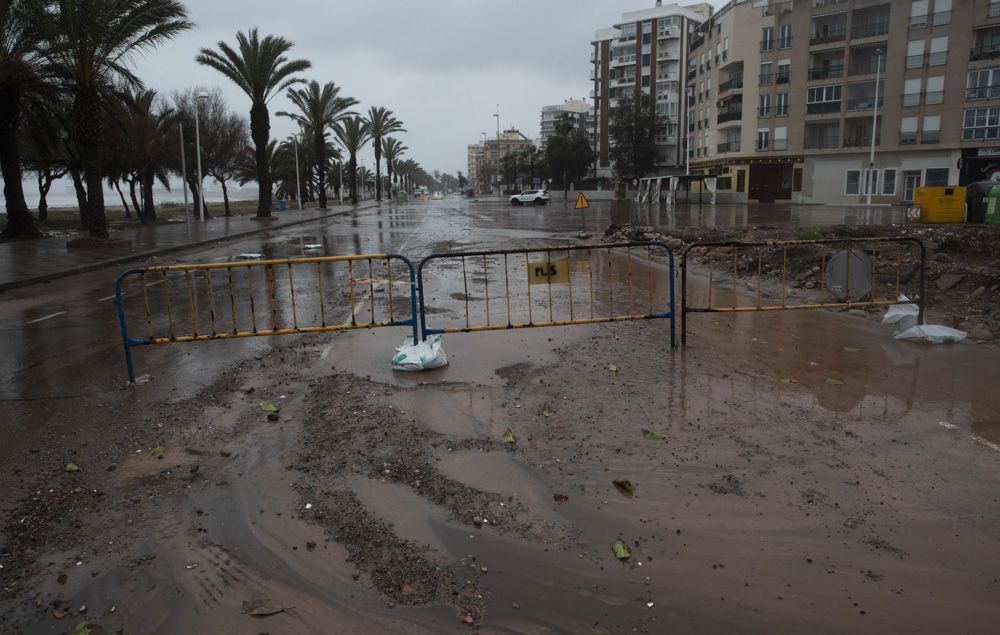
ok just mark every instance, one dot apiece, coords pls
pixel 582 202
pixel 536 180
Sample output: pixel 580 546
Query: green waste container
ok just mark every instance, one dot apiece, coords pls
pixel 993 207
pixel 402 197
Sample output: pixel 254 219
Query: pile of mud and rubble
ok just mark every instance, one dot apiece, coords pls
pixel 962 274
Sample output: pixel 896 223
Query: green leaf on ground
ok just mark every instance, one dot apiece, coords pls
pixel 613 368
pixel 621 551
pixel 267 406
pixel 71 467
pixel 851 349
pixel 624 486
pixel 547 413
pixel 653 435
pixel 156 452
pixel 834 382
pixel 82 629
pixel 788 380
pixel 508 437
pixel 263 607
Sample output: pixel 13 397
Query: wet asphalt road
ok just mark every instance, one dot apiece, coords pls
pixel 66 391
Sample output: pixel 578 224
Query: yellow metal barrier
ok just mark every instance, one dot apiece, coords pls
pixel 253 298
pixel 572 285
pixel 741 266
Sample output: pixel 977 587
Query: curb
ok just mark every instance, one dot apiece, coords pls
pixel 75 271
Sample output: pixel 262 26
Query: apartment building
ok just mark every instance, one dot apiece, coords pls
pixel 483 159
pixel 645 52
pixel 788 97
pixel 474 152
pixel 580 113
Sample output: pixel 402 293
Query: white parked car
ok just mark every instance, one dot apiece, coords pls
pixel 538 197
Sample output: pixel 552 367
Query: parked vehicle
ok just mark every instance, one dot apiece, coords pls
pixel 538 197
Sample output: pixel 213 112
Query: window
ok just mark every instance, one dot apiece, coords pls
pixel 889 182
pixel 981 123
pixel 628 31
pixel 763 105
pixel 763 138
pixel 908 130
pixel 942 12
pixel 765 73
pixel 932 129
pixel 994 8
pixel 935 90
pixel 780 138
pixel 797 180
pixel 784 70
pixel 781 105
pixel 785 36
pixel 767 38
pixel 911 92
pixel 852 183
pixel 647 38
pixel 937 177
pixel 914 54
pixel 823 99
pixel 645 81
pixel 939 51
pixel 871 181
pixel 983 84
pixel 918 14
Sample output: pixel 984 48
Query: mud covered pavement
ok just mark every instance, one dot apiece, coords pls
pixel 762 495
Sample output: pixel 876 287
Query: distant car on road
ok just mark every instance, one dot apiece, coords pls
pixel 538 197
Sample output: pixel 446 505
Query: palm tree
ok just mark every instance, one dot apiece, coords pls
pixel 393 150
pixel 150 138
pixel 353 134
pixel 320 109
pixel 380 124
pixel 90 44
pixel 21 72
pixel 261 70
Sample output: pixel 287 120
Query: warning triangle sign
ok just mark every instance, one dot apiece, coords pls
pixel 582 202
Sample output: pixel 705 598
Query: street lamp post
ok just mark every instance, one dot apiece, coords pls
pixel 298 183
pixel 687 140
pixel 499 171
pixel 870 182
pixel 184 175
pixel 197 141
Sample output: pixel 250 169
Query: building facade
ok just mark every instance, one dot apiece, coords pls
pixel 788 99
pixel 645 53
pixel 484 158
pixel 580 113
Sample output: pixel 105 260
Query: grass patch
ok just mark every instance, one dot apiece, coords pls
pixel 809 234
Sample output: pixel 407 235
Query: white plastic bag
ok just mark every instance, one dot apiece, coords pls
pixel 933 333
pixel 422 356
pixel 897 312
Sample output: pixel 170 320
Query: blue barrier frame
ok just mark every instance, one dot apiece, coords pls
pixel 426 330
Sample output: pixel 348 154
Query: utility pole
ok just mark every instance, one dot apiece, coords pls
pixel 298 183
pixel 184 175
pixel 870 182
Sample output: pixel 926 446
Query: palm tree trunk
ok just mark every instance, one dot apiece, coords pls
pixel 20 224
pixel 377 143
pixel 81 193
pixel 352 168
pixel 225 198
pixel 87 126
pixel 148 206
pixel 135 201
pixel 260 131
pixel 118 187
pixel 320 144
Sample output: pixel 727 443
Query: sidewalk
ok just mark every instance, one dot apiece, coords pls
pixel 24 263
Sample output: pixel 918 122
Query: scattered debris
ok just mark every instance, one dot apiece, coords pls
pixel 560 498
pixel 621 551
pixel 263 607
pixel 508 437
pixel 624 486
pixel 249 256
pixel 834 382
pixel 267 406
pixel 613 368
pixel 653 435
pixel 71 467
pixel 156 453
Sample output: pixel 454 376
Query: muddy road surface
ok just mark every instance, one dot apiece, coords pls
pixel 785 472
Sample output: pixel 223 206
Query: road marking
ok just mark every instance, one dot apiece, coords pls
pixel 42 319
pixel 949 426
pixel 153 284
pixel 106 298
pixel 981 441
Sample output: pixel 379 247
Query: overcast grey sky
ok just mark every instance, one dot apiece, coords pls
pixel 441 65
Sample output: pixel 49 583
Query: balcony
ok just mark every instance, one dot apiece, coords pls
pixel 733 83
pixel 820 142
pixel 818 107
pixel 766 46
pixel 734 114
pixel 930 136
pixel 782 77
pixel 983 92
pixel 832 34
pixel 827 72
pixel 698 41
pixel 667 54
pixel 870 29
pixel 766 79
pixel 692 74
pixel 984 52
pixel 729 146
pixel 994 10
pixel 934 97
pixel 907 138
pixel 824 4
pixel 868 66
pixel 863 103
pixel 779 144
pixel 860 140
